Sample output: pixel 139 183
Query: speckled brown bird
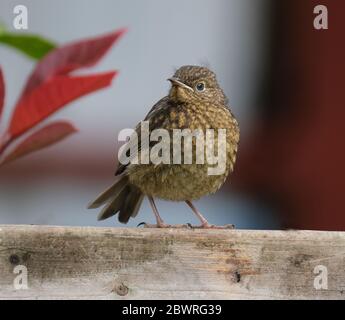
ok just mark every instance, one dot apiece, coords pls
pixel 195 101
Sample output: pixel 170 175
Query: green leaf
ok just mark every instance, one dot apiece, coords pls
pixel 32 45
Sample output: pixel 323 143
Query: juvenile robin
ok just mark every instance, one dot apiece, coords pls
pixel 195 102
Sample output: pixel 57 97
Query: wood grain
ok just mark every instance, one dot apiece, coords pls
pixel 116 263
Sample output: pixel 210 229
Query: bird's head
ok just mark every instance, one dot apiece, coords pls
pixel 194 84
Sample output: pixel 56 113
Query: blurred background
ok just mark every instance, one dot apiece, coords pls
pixel 284 80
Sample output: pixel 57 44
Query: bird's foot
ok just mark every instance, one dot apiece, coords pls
pixel 165 225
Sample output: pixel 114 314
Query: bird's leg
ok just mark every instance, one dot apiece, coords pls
pixel 160 223
pixel 204 223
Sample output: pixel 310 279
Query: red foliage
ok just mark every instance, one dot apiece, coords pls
pixel 51 96
pixel 66 59
pixel 43 137
pixel 49 88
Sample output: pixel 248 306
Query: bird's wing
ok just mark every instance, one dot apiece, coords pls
pixel 155 121
pixel 160 106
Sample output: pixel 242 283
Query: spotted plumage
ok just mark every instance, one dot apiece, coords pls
pixel 196 102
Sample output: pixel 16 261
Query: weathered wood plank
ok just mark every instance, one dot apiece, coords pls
pixel 115 263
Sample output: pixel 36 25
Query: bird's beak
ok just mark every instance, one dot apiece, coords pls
pixel 177 82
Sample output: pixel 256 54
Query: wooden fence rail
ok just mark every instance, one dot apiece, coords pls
pixel 42 262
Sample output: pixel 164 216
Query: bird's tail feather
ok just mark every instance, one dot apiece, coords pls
pixel 121 196
pixel 131 205
pixel 109 193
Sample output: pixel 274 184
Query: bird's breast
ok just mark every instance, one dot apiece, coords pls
pixel 187 181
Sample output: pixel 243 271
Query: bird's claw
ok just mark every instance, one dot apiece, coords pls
pixel 158 225
pixel 189 226
pixel 141 224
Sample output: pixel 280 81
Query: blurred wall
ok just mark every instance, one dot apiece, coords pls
pixel 294 156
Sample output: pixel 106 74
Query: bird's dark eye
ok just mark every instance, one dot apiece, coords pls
pixel 200 86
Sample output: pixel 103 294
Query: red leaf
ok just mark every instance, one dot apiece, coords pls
pixel 44 137
pixel 51 96
pixel 63 60
pixel 2 92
